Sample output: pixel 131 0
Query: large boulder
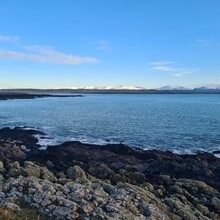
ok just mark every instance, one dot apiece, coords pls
pixel 100 171
pixel 47 175
pixel 15 169
pixel 31 169
pixel 75 173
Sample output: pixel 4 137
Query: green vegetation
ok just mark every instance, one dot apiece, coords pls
pixel 26 213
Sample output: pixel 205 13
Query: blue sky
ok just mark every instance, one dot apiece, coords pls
pixel 148 43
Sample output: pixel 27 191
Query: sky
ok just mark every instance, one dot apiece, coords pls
pixel 80 43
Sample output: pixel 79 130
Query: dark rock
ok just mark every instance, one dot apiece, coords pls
pixel 117 165
pixel 144 208
pixel 100 171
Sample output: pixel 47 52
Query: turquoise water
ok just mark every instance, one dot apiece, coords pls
pixel 181 123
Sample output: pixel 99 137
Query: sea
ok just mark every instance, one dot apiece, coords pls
pixel 183 124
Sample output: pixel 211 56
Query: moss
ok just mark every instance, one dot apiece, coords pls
pixel 26 213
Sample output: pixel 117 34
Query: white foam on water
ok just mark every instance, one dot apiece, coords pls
pixel 89 140
pixel 43 148
pixel 45 140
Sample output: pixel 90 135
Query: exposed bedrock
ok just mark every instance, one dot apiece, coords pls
pixel 82 181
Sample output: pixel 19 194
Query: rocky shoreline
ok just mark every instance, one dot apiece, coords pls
pixel 83 181
pixel 7 96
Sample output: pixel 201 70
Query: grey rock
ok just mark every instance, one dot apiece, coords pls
pixel 1 166
pixel 47 175
pixel 15 169
pixel 31 169
pixel 76 172
pixel 23 147
pixel 144 208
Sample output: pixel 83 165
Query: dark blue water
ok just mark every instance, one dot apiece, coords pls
pixel 181 123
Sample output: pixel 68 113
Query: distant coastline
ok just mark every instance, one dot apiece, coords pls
pixel 38 93
pixel 17 95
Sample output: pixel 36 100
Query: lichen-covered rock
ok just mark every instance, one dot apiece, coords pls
pixel 216 203
pixel 1 180
pixel 31 169
pixel 15 169
pixel 203 209
pixel 99 199
pixel 75 172
pixel 100 171
pixel 1 166
pixel 45 174
pixel 64 180
pixel 131 185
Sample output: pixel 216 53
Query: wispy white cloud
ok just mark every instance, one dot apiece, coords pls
pixel 167 66
pixel 9 39
pixel 102 45
pixel 43 55
pixel 178 74
pixel 163 68
pixel 161 63
pixel 203 43
pixel 184 71
pixel 40 54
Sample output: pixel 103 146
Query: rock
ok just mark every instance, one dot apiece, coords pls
pixel 50 165
pixel 61 212
pixel 159 192
pixel 216 203
pixel 113 191
pixel 31 169
pixel 165 178
pixel 23 147
pixel 64 180
pixel 61 175
pixel 46 202
pixel 1 180
pixel 176 189
pixel 149 186
pixel 111 208
pixel 12 207
pixel 133 209
pixel 18 154
pixel 1 166
pixel 100 171
pixel 15 169
pixel 45 174
pixel 76 172
pixel 119 182
pixel 144 208
pixel 202 209
pixel 117 165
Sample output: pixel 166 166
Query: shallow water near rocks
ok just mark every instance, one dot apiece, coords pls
pixel 181 123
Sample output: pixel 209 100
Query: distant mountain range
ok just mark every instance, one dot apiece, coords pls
pixel 173 88
pixel 202 88
pixel 119 90
pixel 207 88
pixel 106 87
pixel 163 88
